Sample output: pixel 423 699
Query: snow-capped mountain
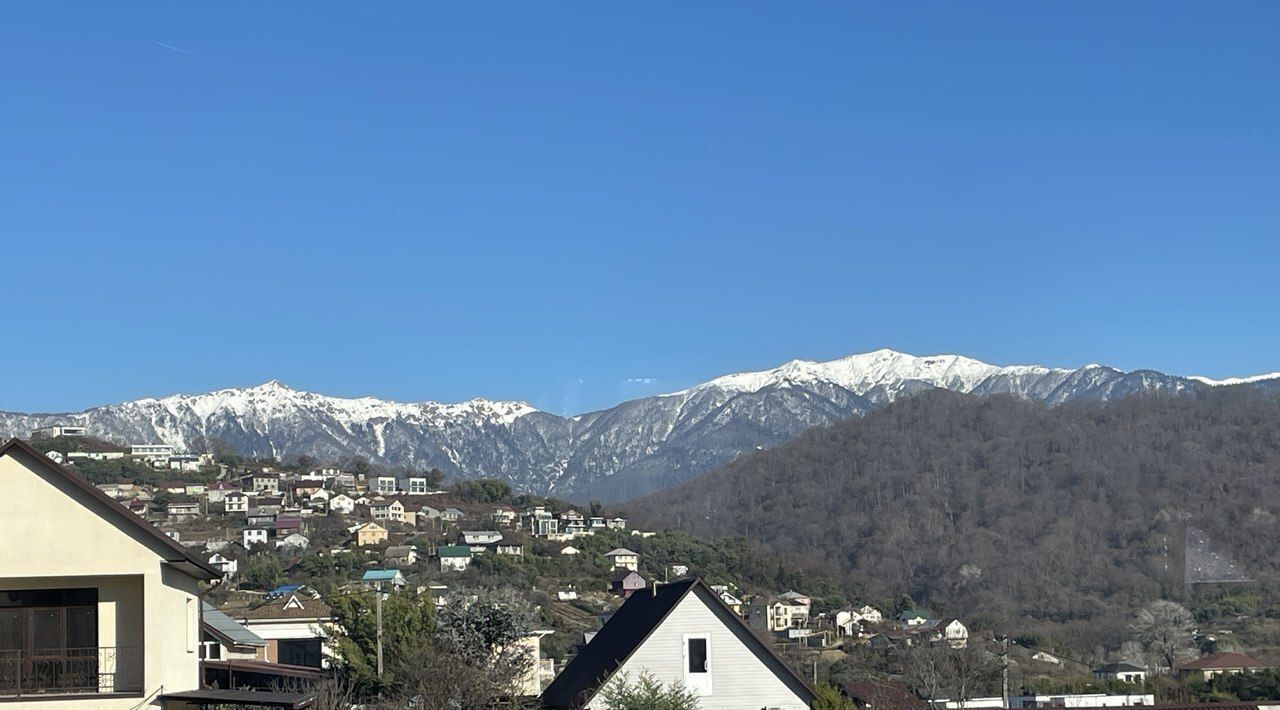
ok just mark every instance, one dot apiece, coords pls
pixel 1254 379
pixel 633 448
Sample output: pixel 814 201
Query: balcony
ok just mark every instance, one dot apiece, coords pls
pixel 72 671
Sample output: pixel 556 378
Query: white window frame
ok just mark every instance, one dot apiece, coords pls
pixel 699 683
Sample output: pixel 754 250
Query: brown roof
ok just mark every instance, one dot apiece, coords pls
pixel 283 608
pixel 177 555
pixel 885 695
pixel 1222 660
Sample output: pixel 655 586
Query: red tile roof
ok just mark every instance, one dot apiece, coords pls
pixel 1222 660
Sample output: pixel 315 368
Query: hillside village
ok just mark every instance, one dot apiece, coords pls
pixel 291 543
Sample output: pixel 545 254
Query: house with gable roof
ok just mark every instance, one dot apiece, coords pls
pixel 680 633
pixel 1216 664
pixel 109 605
pixel 297 626
pixel 622 558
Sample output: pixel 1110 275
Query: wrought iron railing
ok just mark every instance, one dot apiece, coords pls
pixel 72 671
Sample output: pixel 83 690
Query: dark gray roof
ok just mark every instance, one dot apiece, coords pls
pixel 1120 667
pixel 632 624
pixel 227 629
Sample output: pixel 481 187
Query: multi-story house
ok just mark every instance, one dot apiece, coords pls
pixel 236 502
pixel 264 482
pixel 370 534
pixel 98 608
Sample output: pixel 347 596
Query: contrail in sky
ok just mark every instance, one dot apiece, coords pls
pixel 170 46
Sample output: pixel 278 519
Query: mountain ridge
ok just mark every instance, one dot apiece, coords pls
pixel 1059 519
pixel 634 447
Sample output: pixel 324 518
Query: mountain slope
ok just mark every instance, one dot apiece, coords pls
pixel 633 448
pixel 1004 507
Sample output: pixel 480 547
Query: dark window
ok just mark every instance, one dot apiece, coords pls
pixel 697 655
pixel 11 629
pixel 299 652
pixel 48 640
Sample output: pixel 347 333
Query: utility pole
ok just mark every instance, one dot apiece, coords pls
pixel 1004 670
pixel 378 613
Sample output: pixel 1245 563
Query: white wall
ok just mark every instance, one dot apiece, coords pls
pixel 739 679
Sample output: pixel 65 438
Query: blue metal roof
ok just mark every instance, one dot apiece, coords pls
pixel 380 575
pixel 283 589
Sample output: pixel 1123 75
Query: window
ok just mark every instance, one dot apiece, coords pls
pixel 299 652
pixel 210 650
pixel 49 639
pixel 697 655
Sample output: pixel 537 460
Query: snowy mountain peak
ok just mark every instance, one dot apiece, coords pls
pixel 865 372
pixel 1252 379
pixel 274 398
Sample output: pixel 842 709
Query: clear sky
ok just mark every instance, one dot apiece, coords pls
pixel 571 203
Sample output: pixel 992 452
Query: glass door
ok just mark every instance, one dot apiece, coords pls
pixel 11 647
pixel 48 647
pixel 48 641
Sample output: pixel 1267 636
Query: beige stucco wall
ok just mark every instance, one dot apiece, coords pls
pixel 49 539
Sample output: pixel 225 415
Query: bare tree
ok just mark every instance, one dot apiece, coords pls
pixel 1164 629
pixel 331 692
pixel 925 668
pixel 968 671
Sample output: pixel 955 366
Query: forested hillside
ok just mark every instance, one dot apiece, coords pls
pixel 1007 510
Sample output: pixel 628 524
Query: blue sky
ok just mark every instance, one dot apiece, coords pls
pixel 559 202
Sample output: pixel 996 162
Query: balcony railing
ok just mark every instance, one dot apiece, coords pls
pixel 73 671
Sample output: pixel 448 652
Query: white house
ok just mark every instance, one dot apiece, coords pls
pixel 570 550
pixel 1046 657
pixel 342 503
pixel 235 502
pixel 622 558
pixel 478 540
pixel 218 492
pixel 851 621
pixel 60 430
pixel 253 536
pixel 83 578
pixel 680 633
pixel 870 614
pixel 454 557
pixel 1123 672
pixel 227 565
pixel 151 450
pixel 955 633
pixel 294 541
